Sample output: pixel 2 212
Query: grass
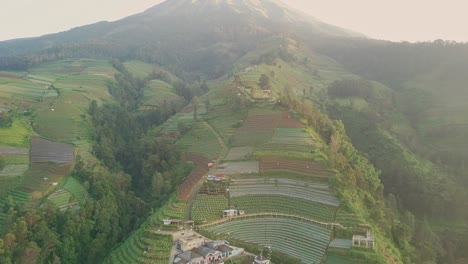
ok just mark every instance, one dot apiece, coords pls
pixel 201 140
pixel 60 198
pixel 16 159
pixel 14 170
pixel 159 93
pixel 18 134
pixel 76 189
pixel 207 208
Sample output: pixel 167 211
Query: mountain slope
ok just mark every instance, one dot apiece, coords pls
pixel 203 37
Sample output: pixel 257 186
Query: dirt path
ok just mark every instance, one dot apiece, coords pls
pixel 220 140
pixel 198 185
pixel 328 224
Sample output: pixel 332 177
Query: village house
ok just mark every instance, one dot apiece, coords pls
pixel 233 212
pixel 189 243
pixel 212 252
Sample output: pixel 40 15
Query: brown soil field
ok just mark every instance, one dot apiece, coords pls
pixel 200 169
pixel 299 166
pixel 43 150
pixel 260 122
pixel 288 121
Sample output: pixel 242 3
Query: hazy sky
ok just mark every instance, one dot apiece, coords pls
pixel 412 20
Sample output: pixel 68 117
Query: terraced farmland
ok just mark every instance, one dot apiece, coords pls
pixel 202 141
pixel 63 199
pixel 302 240
pixel 76 189
pixel 256 122
pixel 43 150
pixel 14 170
pixel 239 153
pixel 257 128
pixel 207 208
pixel 224 122
pixel 252 204
pixel 314 192
pixel 40 177
pixel 143 247
pixel 292 136
pixel 194 177
pixel 240 167
pixel 288 121
pixel 16 88
pixel 306 167
pixel 17 135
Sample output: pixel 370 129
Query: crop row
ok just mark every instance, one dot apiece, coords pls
pixel 302 240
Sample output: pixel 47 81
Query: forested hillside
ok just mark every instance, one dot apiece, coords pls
pixel 370 135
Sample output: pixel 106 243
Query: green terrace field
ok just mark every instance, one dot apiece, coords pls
pixel 62 199
pixel 208 208
pixel 139 69
pixel 202 141
pixel 159 93
pixel 19 90
pixel 224 121
pixel 145 246
pixel 17 135
pixel 76 189
pixel 299 239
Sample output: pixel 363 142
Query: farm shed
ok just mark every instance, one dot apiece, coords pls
pixel 364 241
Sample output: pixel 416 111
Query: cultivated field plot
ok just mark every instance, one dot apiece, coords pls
pixel 134 249
pixel 20 89
pixel 288 121
pixel 243 167
pixel 315 192
pixel 239 153
pixel 207 208
pixel 14 170
pixel 253 204
pixel 292 136
pixel 76 189
pixel 202 141
pixel 43 150
pixel 194 177
pixel 17 135
pixel 63 200
pixel 259 122
pixel 13 151
pixel 224 121
pixel 306 167
pixel 302 240
pixel 252 138
pixel 40 178
pixel 159 93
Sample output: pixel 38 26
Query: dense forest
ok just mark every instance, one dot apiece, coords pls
pixel 138 172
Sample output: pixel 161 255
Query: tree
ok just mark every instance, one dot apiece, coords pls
pixel 5 120
pixel 264 82
pixel 204 87
pixel 2 163
pixel 195 103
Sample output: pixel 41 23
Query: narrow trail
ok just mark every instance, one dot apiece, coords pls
pixel 220 221
pixel 220 140
pixel 198 185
